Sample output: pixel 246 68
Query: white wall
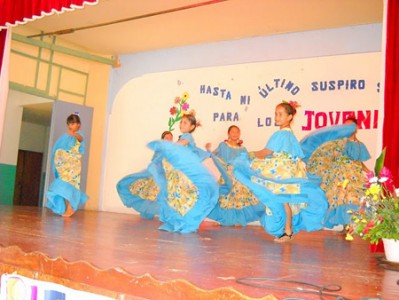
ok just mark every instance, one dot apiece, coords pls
pixel 33 137
pixel 139 104
pixel 316 43
pixel 13 123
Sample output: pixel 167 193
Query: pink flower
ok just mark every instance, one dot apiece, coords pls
pixel 386 179
pixel 294 104
pixel 385 173
pixel 185 106
pixel 370 179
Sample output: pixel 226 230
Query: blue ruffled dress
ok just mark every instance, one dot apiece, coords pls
pixel 228 153
pixel 281 178
pixel 188 191
pixel 202 154
pixel 66 164
pixel 140 192
pixel 337 160
pixel 237 205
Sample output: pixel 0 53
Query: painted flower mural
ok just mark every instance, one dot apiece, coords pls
pixel 179 109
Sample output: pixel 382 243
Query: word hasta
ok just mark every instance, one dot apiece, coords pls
pixel 215 91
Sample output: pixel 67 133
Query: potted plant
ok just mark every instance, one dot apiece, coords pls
pixel 378 214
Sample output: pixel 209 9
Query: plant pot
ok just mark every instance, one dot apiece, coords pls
pixel 391 250
pixel 378 247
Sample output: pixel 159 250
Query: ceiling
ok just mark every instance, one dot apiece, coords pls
pixel 157 24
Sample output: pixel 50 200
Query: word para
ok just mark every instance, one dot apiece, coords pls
pixel 223 117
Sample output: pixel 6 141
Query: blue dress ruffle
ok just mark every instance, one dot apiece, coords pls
pixel 337 161
pixel 202 154
pixel 140 192
pixel 147 208
pixel 228 153
pixel 285 141
pixel 237 205
pixel 315 139
pixel 356 150
pixel 61 190
pixel 309 200
pixel 176 168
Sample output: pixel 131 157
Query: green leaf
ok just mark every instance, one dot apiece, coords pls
pixel 379 163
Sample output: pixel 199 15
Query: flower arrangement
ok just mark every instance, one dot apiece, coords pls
pixel 378 213
pixel 179 109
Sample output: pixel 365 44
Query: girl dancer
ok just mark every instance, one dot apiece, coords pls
pixel 64 195
pixel 188 190
pixel 237 205
pixel 277 176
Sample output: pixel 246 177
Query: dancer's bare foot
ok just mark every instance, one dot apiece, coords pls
pixel 285 237
pixel 69 210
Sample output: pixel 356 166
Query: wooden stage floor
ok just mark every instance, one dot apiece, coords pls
pixel 126 257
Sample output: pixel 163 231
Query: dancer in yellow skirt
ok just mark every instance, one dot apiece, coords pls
pixel 64 195
pixel 277 176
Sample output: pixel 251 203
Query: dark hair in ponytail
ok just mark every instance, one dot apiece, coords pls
pixel 192 120
pixel 73 118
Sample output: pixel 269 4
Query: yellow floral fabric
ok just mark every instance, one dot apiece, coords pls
pixel 239 197
pixel 145 188
pixel 68 165
pixel 342 178
pixel 280 166
pixel 182 193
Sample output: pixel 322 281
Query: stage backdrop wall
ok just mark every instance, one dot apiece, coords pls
pixel 327 88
